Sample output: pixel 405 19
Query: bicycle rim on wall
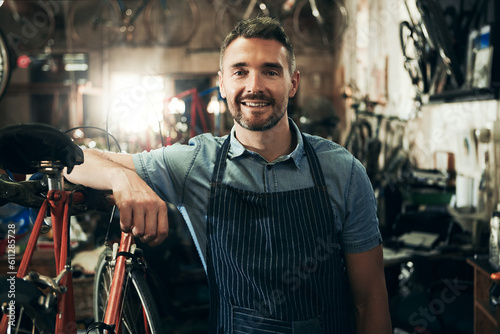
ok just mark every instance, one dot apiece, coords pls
pixel 231 13
pixel 171 23
pixel 30 24
pixel 95 23
pixel 322 27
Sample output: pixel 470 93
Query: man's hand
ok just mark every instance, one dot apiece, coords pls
pixel 142 212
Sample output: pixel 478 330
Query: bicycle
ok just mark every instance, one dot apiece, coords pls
pixel 37 303
pixel 361 132
pixel 99 23
pixel 428 53
pixel 318 24
pixel 196 117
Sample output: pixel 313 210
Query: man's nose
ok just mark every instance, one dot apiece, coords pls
pixel 254 83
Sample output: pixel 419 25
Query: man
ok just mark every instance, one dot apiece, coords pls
pixel 285 223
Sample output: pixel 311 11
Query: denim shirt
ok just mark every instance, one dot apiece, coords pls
pixel 181 174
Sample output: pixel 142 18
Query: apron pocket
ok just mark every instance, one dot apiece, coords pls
pixel 250 321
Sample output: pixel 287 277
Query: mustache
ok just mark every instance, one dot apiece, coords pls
pixel 256 96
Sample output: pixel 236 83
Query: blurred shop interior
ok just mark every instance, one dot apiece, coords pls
pixel 410 87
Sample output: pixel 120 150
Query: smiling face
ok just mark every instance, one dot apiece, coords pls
pixel 256 82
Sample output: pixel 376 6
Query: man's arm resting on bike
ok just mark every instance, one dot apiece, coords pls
pixel 142 211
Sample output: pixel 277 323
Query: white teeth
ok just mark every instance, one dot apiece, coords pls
pixel 251 104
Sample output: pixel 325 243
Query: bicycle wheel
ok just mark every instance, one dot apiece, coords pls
pixel 357 140
pixel 440 37
pixel 227 15
pixel 171 23
pixel 138 302
pixel 5 65
pixel 95 23
pixel 31 24
pixel 30 316
pixel 320 24
pixel 412 53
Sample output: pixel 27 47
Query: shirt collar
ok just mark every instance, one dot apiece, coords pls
pixel 236 149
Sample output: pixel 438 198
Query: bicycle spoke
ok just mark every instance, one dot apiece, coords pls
pixel 133 317
pixel 106 285
pixel 21 312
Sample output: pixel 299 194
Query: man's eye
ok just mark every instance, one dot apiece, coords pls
pixel 273 73
pixel 239 73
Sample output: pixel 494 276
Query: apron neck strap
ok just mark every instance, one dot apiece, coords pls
pixel 316 170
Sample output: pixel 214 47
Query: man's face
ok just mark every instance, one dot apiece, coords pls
pixel 256 82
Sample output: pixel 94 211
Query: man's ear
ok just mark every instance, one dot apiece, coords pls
pixel 221 86
pixel 295 84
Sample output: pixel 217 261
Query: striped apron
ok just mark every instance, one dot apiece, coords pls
pixel 273 259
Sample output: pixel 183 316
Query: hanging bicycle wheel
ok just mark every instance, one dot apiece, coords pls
pixel 171 23
pixel 357 140
pixel 95 23
pixel 31 24
pixel 139 313
pixel 320 24
pixel 234 11
pixel 413 54
pixel 28 315
pixel 5 65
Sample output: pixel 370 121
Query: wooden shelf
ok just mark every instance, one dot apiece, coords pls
pixel 485 308
pixel 485 316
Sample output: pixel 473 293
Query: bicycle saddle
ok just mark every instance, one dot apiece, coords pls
pixel 24 146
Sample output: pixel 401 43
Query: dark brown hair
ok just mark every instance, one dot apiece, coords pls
pixel 264 28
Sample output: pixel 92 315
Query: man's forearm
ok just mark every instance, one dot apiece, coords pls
pixel 100 169
pixel 372 317
pixel 368 288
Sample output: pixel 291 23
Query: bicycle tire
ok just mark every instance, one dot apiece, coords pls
pixel 137 298
pixel 230 13
pixel 353 141
pixel 172 26
pixel 95 23
pixel 326 35
pixel 5 65
pixel 357 140
pixel 30 24
pixel 31 317
pixel 413 55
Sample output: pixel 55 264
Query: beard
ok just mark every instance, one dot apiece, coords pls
pixel 260 124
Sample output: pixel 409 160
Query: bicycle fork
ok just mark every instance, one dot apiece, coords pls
pixel 113 309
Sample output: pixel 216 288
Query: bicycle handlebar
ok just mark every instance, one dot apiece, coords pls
pixel 24 193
